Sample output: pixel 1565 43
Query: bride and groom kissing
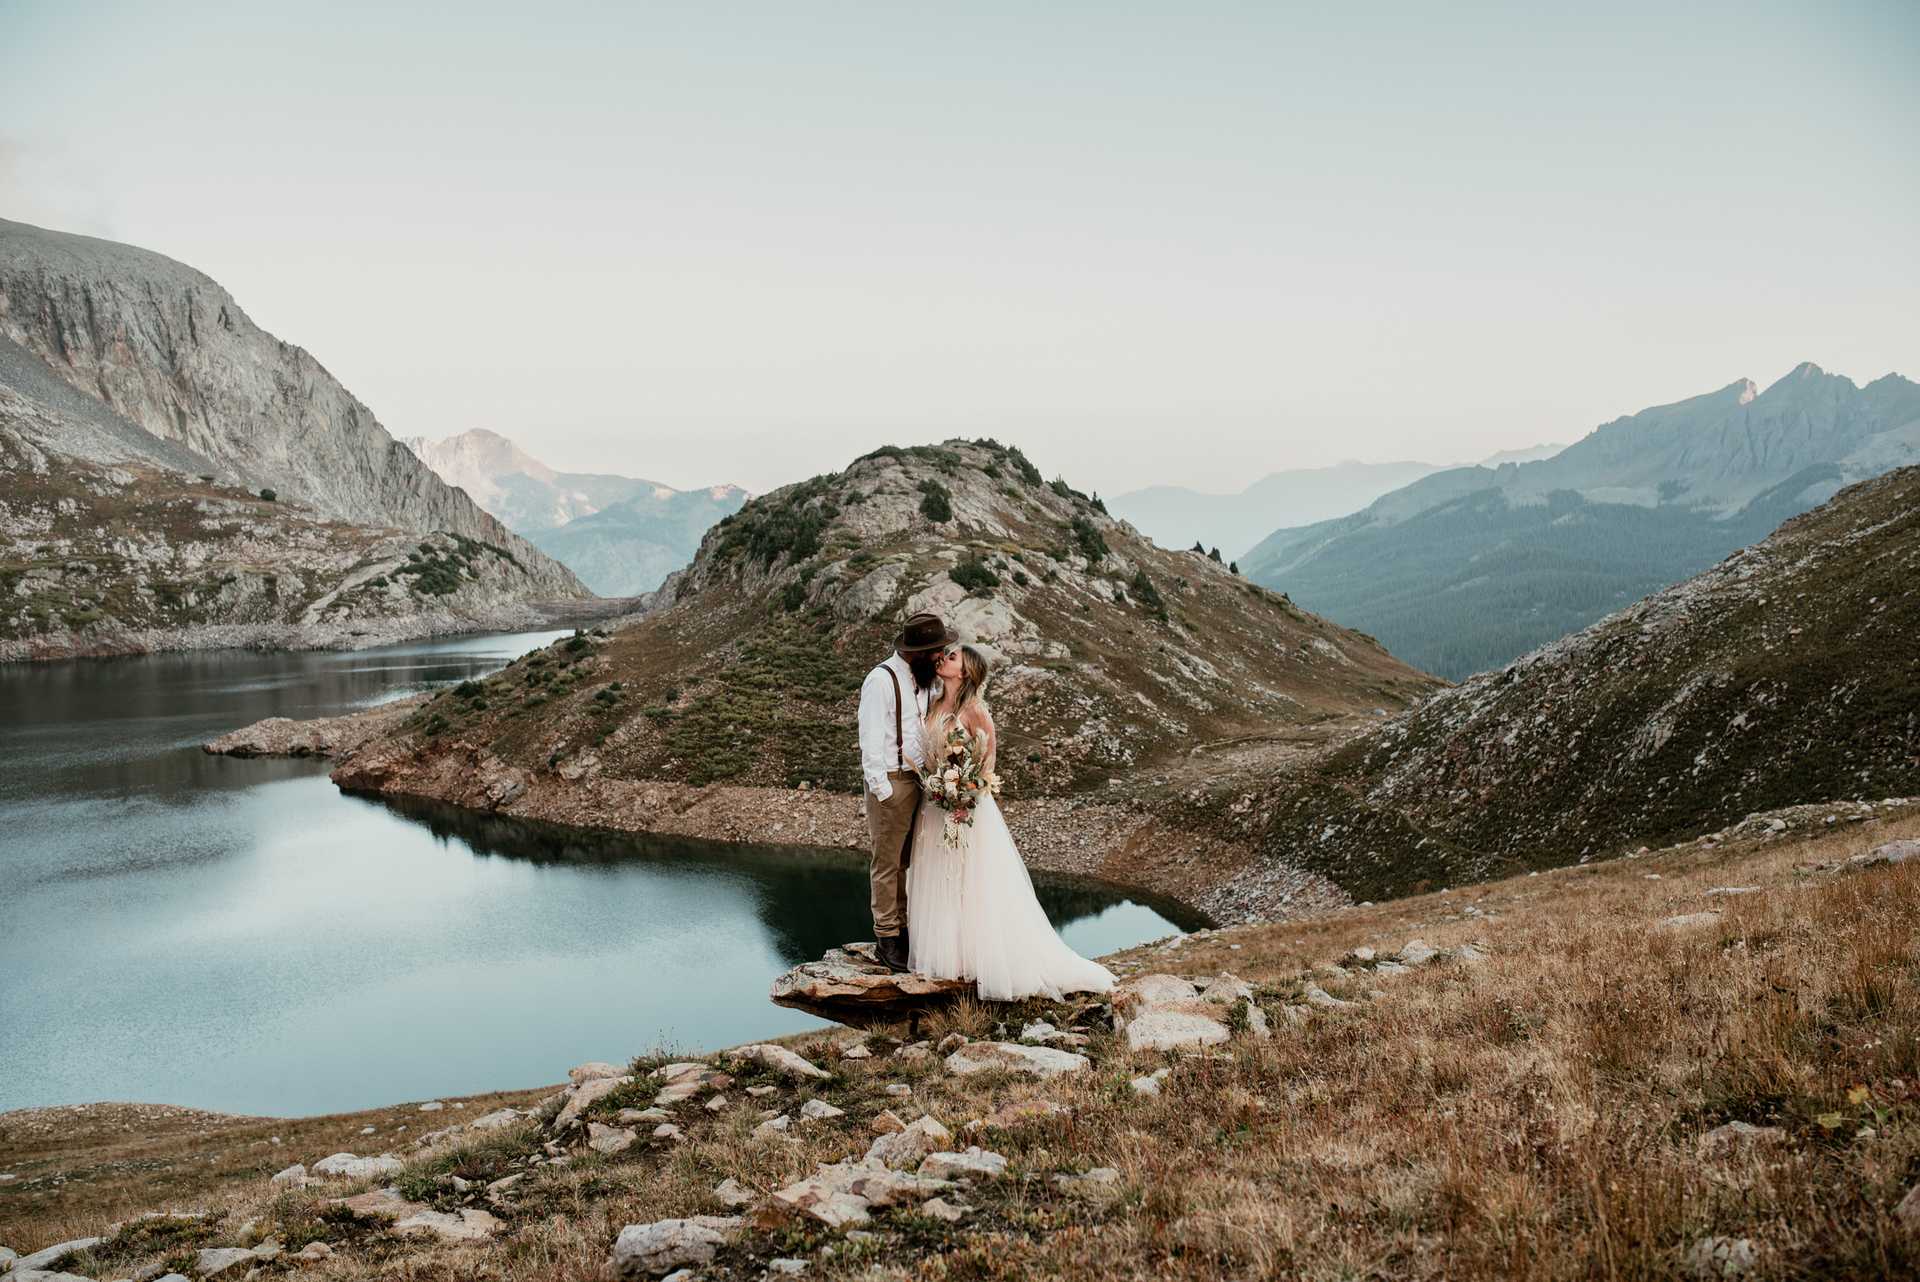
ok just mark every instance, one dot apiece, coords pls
pixel 951 899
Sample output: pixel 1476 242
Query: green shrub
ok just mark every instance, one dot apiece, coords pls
pixel 1147 594
pixel 973 575
pixel 270 496
pixel 1087 539
pixel 936 504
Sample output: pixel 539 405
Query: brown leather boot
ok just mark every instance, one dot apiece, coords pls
pixel 892 952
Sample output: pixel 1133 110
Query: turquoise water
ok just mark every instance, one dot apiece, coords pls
pixel 238 935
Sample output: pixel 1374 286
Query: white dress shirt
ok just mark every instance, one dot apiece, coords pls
pixel 879 750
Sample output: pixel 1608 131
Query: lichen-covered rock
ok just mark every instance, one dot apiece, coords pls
pixel 1032 1061
pixel 850 986
pixel 649 1250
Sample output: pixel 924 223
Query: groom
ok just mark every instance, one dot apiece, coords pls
pixel 893 709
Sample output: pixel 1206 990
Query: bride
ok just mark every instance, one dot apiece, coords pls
pixel 973 910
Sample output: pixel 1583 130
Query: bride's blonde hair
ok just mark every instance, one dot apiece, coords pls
pixel 974 671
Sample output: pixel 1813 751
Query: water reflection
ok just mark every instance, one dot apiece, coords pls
pixel 237 935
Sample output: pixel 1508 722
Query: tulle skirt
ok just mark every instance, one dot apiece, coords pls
pixel 972 914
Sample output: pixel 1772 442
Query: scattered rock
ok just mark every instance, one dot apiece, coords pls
pixel 913 1053
pixel 972 1161
pixel 432 1106
pixel 778 1058
pixel 786 1266
pixel 648 1250
pixel 593 1070
pixel 47 1257
pixel 1034 1061
pixel 1318 996
pixel 900 1090
pixel 467 1225
pixel 1154 990
pixel 1688 921
pixel 348 1167
pixel 761 1092
pixel 635 1116
pixel 941 1209
pixel 857 1052
pixel 1720 1257
pixel 610 1139
pixel 295 1175
pixel 1735 1138
pixel 818 1110
pixel 668 1131
pixel 313 1252
pixel 1164 1028
pixel 1145 1086
pixel 952 1042
pixel 585 1096
pixel 216 1261
pixel 733 1194
pixel 1226 990
pixel 1008 1116
pixel 1418 952
pixel 1362 955
pixel 1891 852
pixel 888 1123
pixel 773 1127
pixel 1101 1181
pixel 717 1104
pixel 499 1119
pixel 1733 890
pixel 909 1146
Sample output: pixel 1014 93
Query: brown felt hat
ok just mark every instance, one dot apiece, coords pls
pixel 924 632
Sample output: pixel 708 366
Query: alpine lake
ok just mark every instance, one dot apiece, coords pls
pixel 240 936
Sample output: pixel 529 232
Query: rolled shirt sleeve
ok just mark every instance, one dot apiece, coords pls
pixel 876 733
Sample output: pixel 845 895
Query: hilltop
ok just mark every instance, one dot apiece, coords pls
pixel 1117 660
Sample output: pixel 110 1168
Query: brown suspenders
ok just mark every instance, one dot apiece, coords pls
pixel 899 734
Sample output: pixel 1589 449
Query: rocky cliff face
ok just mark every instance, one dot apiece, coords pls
pixel 170 351
pixel 1788 674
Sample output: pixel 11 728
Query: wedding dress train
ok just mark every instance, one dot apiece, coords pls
pixel 972 914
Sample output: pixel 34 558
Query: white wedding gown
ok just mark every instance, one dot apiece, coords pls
pixel 972 913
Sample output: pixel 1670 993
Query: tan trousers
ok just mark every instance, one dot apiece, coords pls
pixel 890 825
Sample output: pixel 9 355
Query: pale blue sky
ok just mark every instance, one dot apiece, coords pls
pixel 1180 242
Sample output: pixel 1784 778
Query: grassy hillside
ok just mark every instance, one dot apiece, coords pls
pixel 1788 674
pixel 1114 656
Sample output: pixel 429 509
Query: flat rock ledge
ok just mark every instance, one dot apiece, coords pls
pixel 332 737
pixel 851 987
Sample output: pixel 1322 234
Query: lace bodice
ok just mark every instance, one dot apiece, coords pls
pixel 985 742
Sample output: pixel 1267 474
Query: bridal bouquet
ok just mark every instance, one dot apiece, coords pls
pixel 955 782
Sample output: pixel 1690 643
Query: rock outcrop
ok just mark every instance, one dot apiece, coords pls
pixel 850 986
pixel 172 477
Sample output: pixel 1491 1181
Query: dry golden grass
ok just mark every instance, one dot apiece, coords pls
pixel 1535 1115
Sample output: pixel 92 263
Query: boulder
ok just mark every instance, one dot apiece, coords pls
pixel 1101 1181
pixel 468 1225
pixel 1034 1061
pixel 1318 996
pixel 223 1261
pixel 843 1193
pixel 1023 1113
pixel 1164 1027
pixel 1154 990
pixel 909 1146
pixel 610 1139
pixel 580 1074
pixel 348 1167
pixel 941 1209
pixel 773 1127
pixel 499 1119
pixel 649 1250
pixel 585 1096
pixel 778 1058
pixel 1891 852
pixel 849 986
pixel 973 1161
pixel 47 1257
pixel 1228 989
pixel 888 1123
pixel 296 1175
pixel 818 1110
pixel 1418 952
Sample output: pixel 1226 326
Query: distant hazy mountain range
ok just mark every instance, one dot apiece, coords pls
pixel 1174 516
pixel 1464 569
pixel 621 534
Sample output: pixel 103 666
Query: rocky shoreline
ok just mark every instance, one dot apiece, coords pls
pixel 348 634
pixel 1077 836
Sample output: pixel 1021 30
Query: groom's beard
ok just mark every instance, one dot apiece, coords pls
pixel 921 665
